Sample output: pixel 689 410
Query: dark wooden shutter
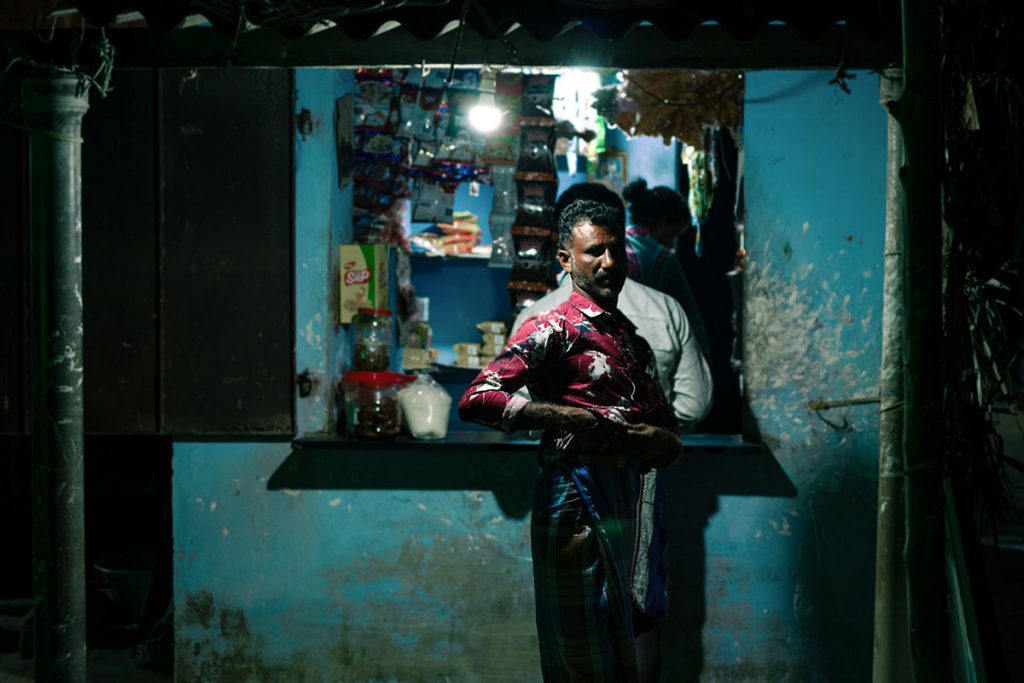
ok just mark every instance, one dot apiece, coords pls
pixel 119 263
pixel 226 250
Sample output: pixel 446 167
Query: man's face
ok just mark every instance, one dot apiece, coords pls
pixel 596 261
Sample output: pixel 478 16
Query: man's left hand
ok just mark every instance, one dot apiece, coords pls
pixel 653 446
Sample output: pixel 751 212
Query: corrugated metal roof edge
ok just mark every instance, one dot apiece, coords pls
pixel 874 21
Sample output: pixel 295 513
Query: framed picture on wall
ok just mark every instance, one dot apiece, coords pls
pixel 610 169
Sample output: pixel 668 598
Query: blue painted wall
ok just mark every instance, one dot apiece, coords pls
pixel 790 581
pixel 420 585
pixel 323 221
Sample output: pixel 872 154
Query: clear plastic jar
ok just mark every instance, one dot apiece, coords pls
pixel 371 340
pixel 371 404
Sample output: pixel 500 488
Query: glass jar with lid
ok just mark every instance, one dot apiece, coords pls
pixel 372 408
pixel 371 340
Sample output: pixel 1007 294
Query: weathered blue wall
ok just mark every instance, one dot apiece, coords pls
pixel 790 581
pixel 420 585
pixel 371 585
pixel 323 220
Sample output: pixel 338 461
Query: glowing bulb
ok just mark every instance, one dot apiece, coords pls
pixel 485 115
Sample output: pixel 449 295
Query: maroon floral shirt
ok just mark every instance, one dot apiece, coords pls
pixel 576 354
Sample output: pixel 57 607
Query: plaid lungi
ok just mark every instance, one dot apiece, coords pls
pixel 584 537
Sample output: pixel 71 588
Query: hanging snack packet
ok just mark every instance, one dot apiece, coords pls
pixel 455 160
pixel 532 245
pixel 408 108
pixel 536 147
pixel 373 103
pixel 462 94
pixel 426 151
pixel 532 254
pixel 524 294
pixel 505 194
pixel 459 104
pixel 508 97
pixel 538 95
pixel 501 241
pixel 433 202
pixel 378 184
pixel 536 203
pixel 502 144
pixel 378 145
pixel 425 123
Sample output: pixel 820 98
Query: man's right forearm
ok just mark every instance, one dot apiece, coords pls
pixel 540 415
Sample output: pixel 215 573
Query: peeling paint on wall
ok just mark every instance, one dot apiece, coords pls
pixel 804 342
pixel 797 591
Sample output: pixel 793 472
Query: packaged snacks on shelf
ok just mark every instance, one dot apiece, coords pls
pixel 416 359
pixel 473 361
pixel 495 339
pixel 466 348
pixel 492 326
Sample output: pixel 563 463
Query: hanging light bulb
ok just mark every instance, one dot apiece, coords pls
pixel 485 116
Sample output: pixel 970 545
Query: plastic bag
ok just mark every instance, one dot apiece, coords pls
pixel 425 406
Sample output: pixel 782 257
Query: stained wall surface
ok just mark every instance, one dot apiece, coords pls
pixel 773 560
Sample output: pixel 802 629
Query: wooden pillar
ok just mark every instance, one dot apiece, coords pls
pixel 53 111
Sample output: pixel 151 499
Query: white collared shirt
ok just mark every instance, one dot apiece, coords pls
pixel 683 373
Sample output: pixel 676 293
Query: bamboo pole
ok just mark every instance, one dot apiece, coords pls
pixel 919 114
pixel 891 662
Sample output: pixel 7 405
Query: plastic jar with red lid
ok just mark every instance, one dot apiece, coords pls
pixel 371 403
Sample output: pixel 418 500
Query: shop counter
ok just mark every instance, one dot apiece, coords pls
pixel 492 440
pixel 720 464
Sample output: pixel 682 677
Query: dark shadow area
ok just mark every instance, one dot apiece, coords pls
pixel 737 469
pixel 127 529
pixel 712 289
pixel 688 509
pixel 691 489
pixel 463 461
pixel 835 561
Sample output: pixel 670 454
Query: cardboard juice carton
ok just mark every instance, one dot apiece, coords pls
pixel 364 278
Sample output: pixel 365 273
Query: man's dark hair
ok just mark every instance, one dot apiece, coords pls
pixel 648 206
pixel 581 211
pixel 595 192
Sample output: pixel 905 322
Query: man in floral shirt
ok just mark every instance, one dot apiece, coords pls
pixel 606 422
